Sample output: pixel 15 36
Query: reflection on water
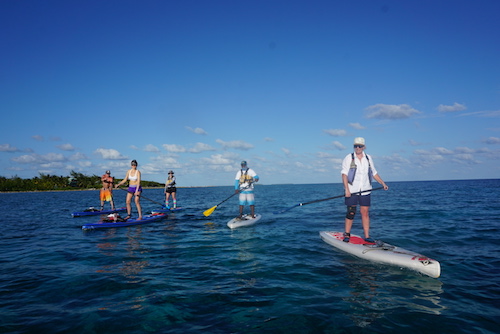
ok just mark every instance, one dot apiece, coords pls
pixel 376 290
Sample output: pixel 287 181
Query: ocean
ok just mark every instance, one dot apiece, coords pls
pixel 191 273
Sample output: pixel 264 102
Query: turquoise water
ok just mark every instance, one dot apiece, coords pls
pixel 191 273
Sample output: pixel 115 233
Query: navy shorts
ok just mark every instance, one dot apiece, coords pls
pixel 364 200
pixel 171 190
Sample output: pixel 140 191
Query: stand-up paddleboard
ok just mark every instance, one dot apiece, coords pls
pixel 129 222
pixel 382 252
pixel 95 212
pixel 245 220
pixel 165 210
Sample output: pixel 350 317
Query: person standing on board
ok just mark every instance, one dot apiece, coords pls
pixel 170 189
pixel 243 184
pixel 134 188
pixel 357 172
pixel 106 194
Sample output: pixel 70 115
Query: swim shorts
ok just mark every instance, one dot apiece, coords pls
pixel 106 195
pixel 364 200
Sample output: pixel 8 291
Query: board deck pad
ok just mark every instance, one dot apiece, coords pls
pixel 354 239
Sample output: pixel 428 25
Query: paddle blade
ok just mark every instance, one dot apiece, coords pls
pixel 209 211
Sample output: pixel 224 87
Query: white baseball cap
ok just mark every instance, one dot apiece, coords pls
pixel 359 141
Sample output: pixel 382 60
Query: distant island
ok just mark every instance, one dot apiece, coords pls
pixel 44 182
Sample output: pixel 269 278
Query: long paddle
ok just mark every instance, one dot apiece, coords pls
pixel 325 199
pixel 143 197
pixel 212 209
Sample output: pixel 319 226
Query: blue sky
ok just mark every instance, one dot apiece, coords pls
pixel 198 86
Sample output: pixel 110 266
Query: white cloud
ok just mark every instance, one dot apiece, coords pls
pixel 8 148
pixel 37 158
pixel 226 162
pixel 37 137
pixel 492 140
pixel 174 148
pixel 335 132
pixel 338 145
pixel 236 144
pixel 151 148
pixel 110 154
pixel 25 159
pixel 356 126
pixel 391 111
pixel 453 108
pixel 201 147
pixel 66 147
pixel 53 157
pixel 198 131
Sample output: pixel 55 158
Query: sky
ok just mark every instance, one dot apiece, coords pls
pixel 198 86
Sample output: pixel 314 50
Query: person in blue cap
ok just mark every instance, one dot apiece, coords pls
pixel 243 184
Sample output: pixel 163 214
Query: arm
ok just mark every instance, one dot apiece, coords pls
pixel 345 182
pixel 379 180
pixel 122 181
pixel 138 182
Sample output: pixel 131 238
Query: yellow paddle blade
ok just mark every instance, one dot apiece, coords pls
pixel 209 211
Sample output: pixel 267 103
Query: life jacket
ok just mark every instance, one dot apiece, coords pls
pixel 170 182
pixel 353 167
pixel 244 177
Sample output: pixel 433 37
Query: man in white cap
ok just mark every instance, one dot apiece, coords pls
pixel 243 184
pixel 357 172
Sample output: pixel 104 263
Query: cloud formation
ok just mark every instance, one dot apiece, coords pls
pixel 109 154
pixel 335 132
pixel 8 148
pixel 391 111
pixel 453 108
pixel 236 144
pixel 198 131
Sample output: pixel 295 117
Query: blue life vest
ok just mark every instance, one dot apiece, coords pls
pixel 352 170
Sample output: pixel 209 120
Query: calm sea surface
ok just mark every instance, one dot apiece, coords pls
pixel 190 273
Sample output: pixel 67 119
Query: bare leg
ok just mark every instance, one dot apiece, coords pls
pixel 365 220
pixel 348 225
pixel 138 205
pixel 128 202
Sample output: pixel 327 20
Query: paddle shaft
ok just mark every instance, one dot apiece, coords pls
pixel 208 212
pixel 327 199
pixel 143 197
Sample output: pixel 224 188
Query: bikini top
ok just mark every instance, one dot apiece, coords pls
pixel 132 178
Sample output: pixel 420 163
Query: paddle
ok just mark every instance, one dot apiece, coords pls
pixel 325 199
pixel 143 197
pixel 212 209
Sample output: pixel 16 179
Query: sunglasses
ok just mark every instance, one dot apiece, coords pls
pixel 359 146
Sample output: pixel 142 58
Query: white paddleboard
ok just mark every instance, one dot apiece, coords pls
pixel 246 220
pixel 382 252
